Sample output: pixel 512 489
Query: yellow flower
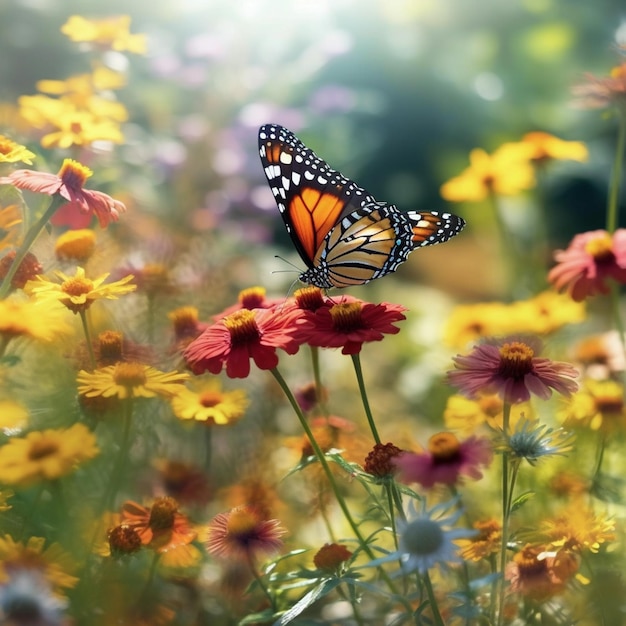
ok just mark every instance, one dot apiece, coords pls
pixel 81 128
pixel 53 563
pixel 11 152
pixel 465 416
pixel 547 147
pixel 109 33
pixel 206 402
pixel 45 455
pixel 5 494
pixel 599 404
pixel 546 312
pixel 10 220
pixel 505 172
pixel 469 322
pixel 486 543
pixel 81 87
pixel 75 245
pixel 130 380
pixel 39 111
pixel 77 292
pixel 25 318
pixel 578 528
pixel 13 417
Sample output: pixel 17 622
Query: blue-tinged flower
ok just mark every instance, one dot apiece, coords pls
pixel 427 538
pixel 531 440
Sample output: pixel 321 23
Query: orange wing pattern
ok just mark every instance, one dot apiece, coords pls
pixel 342 233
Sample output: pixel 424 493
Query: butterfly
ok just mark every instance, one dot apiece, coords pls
pixel 343 234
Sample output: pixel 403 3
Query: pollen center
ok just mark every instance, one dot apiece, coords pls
pixel 162 513
pixel 211 398
pixel 346 316
pixel 516 360
pixel 241 522
pixel 422 537
pixel 252 298
pixel 600 248
pixel 444 447
pixel 242 326
pixel 77 286
pixel 130 374
pixel 309 298
pixel 74 174
pixel 110 344
pixel 42 449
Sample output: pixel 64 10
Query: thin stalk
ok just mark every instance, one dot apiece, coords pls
pixel 31 235
pixel 356 360
pixel 599 457
pixel 259 580
pixel 437 619
pixel 617 318
pixel 612 209
pixel 317 377
pixel 87 332
pixel 150 314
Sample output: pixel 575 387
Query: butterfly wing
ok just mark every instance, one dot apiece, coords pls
pixel 373 241
pixel 311 197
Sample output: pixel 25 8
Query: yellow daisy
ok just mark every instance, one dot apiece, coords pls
pixel 24 318
pixel 206 402
pixel 547 147
pixel 75 245
pixel 578 528
pixel 599 404
pixel 77 292
pixel 13 417
pixel 507 171
pixel 11 152
pixel 108 33
pixel 469 322
pixel 547 312
pixel 130 380
pixel 10 220
pixel 45 455
pixel 486 542
pixel 53 563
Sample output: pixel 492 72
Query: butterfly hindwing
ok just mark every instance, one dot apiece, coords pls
pixel 344 236
pixel 311 196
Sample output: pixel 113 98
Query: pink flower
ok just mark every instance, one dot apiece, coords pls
pixel 510 368
pixel 588 262
pixel 447 459
pixel 68 183
pixel 241 336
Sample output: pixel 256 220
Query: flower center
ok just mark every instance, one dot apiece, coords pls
pixel 242 522
pixel 110 344
pixel 422 537
pixel 77 286
pixel 444 447
pixel 74 174
pixel 309 298
pixel 124 539
pixel 346 316
pixel 41 449
pixel 242 327
pixel 610 405
pixel 162 513
pixel 490 405
pixel 211 398
pixel 130 374
pixel 489 530
pixel 528 564
pixel 516 360
pixel 600 248
pixel 185 321
pixel 6 145
pixel 252 298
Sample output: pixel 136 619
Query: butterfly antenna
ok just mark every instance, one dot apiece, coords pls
pixel 277 256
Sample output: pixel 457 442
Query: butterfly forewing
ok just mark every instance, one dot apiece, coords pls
pixel 311 196
pixel 342 233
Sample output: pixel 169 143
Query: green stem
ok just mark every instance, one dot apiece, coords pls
pixel 437 619
pixel 599 457
pixel 85 322
pixel 259 580
pixel 612 210
pixel 356 360
pixel 120 462
pixel 151 318
pixel 617 319
pixel 321 457
pixel 31 235
pixel 508 249
pixel 317 377
pixel 151 573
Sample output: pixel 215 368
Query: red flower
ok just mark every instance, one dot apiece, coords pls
pixel 588 262
pixel 241 336
pixel 242 532
pixel 510 368
pixel 447 459
pixel 68 183
pixel 349 324
pixel 160 526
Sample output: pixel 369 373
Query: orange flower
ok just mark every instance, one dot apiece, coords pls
pixel 161 526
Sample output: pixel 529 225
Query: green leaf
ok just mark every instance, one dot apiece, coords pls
pixel 307 600
pixel 521 500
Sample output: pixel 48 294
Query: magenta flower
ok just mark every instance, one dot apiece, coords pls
pixel 446 460
pixel 510 368
pixel 588 262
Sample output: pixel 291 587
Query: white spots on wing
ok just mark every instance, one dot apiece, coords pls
pixel 321 180
pixel 286 182
pixel 286 158
pixel 295 177
pixel 309 175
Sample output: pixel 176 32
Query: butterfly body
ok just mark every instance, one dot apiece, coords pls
pixel 342 233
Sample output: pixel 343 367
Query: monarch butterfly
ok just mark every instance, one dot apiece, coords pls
pixel 343 234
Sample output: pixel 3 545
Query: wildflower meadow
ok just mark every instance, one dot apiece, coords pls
pixel 239 387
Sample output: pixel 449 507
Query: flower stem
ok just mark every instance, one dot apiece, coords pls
pixel 356 360
pixel 331 479
pixel 31 235
pixel 437 619
pixel 259 580
pixel 120 462
pixel 317 377
pixel 612 208
pixel 85 322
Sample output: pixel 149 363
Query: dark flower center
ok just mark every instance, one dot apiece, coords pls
pixel 528 564
pixel 444 447
pixel 211 398
pixel 252 298
pixel 309 298
pixel 379 462
pixel 243 327
pixel 346 316
pixel 130 374
pixel 41 449
pixel 422 537
pixel 74 174
pixel 77 286
pixel 601 249
pixel 163 513
pixel 124 539
pixel 110 344
pixel 516 360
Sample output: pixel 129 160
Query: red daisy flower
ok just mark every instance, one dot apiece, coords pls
pixel 588 262
pixel 160 526
pixel 447 459
pixel 68 183
pixel 241 336
pixel 510 368
pixel 349 324
pixel 242 532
